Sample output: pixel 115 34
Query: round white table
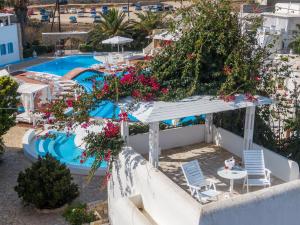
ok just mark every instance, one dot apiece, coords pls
pixel 234 174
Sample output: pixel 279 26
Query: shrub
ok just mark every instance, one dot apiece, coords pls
pixel 47 184
pixel 86 48
pixel 77 214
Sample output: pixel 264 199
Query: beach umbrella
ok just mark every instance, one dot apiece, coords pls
pixel 117 40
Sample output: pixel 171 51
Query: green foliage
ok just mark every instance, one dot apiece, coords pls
pixel 296 45
pixel 8 104
pixel 213 56
pixel 47 184
pixel 148 21
pixel 77 214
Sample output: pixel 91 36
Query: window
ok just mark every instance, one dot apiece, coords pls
pixel 10 48
pixel 3 49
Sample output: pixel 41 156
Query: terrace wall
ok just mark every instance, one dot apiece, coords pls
pixel 169 138
pixel 161 202
pixel 280 166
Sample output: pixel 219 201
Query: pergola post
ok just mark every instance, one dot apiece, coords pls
pixel 208 133
pixel 125 132
pixel 154 143
pixel 249 128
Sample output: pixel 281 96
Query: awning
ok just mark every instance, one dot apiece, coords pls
pixel 29 88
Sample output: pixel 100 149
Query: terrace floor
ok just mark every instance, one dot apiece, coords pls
pixel 210 158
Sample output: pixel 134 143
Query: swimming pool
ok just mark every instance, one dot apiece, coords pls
pixel 63 148
pixel 61 66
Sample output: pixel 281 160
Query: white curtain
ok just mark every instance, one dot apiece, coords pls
pixel 28 102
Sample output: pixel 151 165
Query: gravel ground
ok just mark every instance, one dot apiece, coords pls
pixel 12 211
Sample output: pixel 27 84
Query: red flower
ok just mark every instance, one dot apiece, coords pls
pixel 148 97
pixel 111 130
pixel 81 161
pixel 84 125
pixel 143 80
pixel 250 97
pixel 47 114
pixel 107 156
pixel 148 57
pixel 83 154
pixel 228 98
pixel 105 88
pixel 191 56
pixel 257 78
pixel 167 42
pixel 69 103
pixel 136 94
pixel 227 70
pixel 154 84
pixel 123 116
pixel 165 90
pixel 127 79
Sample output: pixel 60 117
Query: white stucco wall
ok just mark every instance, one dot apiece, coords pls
pixel 280 166
pixel 9 34
pixel 165 202
pixel 278 205
pixel 169 138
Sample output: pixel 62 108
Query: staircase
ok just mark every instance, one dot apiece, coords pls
pixel 100 209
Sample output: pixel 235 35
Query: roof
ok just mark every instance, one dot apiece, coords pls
pixel 197 105
pixel 284 15
pixel 167 36
pixel 28 88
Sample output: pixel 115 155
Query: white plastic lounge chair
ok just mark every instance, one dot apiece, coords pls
pixel 257 173
pixel 200 187
pixel 24 117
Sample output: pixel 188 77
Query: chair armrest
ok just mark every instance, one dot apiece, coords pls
pixel 268 173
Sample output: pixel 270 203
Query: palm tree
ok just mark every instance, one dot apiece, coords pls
pixel 113 23
pixel 149 21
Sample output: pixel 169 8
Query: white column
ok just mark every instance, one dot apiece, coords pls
pixel 154 143
pixel 208 134
pixel 125 132
pixel 249 128
pixel 8 20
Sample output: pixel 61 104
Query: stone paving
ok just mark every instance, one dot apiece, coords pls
pixel 210 158
pixel 12 210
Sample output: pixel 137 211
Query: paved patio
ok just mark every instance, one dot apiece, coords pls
pixel 12 211
pixel 210 158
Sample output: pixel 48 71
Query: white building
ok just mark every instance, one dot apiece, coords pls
pixel 10 40
pixel 280 27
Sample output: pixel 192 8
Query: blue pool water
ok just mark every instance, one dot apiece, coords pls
pixel 62 147
pixel 62 66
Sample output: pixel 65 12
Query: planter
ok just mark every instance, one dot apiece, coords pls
pixel 49 211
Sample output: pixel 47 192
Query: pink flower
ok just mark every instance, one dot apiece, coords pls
pixel 84 125
pixel 123 116
pixel 250 97
pixel 143 80
pixel 107 156
pixel 154 84
pixel 136 94
pixel 111 130
pixel 81 161
pixel 83 154
pixel 69 103
pixel 257 78
pixel 105 88
pixel 165 90
pixel 127 79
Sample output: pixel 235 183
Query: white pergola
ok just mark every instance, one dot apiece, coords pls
pixel 153 112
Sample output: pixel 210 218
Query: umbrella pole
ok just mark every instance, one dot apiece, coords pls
pixel 118 48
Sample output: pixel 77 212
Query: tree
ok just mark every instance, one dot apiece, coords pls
pixel 113 23
pixel 8 102
pixel 2 4
pixel 213 56
pixel 148 21
pixel 20 8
